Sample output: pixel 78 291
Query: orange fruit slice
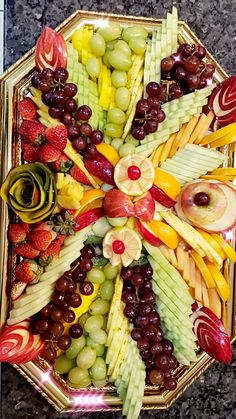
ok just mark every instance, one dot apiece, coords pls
pixel 108 152
pixel 93 198
pixel 134 174
pixel 167 183
pixel 165 233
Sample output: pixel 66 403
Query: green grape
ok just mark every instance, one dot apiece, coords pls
pixel 99 369
pixel 136 31
pixel 107 140
pixel 86 358
pixel 119 60
pixel 116 116
pixel 138 45
pixel 122 46
pixel 105 59
pixel 110 271
pixel 83 319
pixel 96 276
pixel 117 222
pixel 113 130
pixel 63 364
pixel 126 149
pixel 99 336
pixel 94 322
pixel 76 375
pixel 99 383
pixel 100 349
pixel 76 346
pixel 98 45
pixel 93 67
pixel 111 31
pixel 116 143
pixel 99 306
pixel 107 290
pixel 110 45
pixel 85 382
pixel 119 78
pixel 122 98
pixel 131 140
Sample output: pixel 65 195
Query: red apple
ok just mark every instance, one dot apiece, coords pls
pixel 118 204
pixel 145 207
pixel 161 197
pixel 50 50
pixel 78 175
pixel 100 167
pixel 88 218
pixel 147 234
pixel 223 101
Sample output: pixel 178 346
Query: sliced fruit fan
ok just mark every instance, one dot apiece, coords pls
pixel 123 208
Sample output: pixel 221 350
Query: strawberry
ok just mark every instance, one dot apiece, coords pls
pixel 17 289
pixel 31 153
pixel 26 227
pixel 78 175
pixel 49 153
pixel 16 233
pixel 26 250
pixel 41 239
pixel 28 270
pixel 57 136
pixel 61 238
pixel 63 164
pixel 32 131
pixel 50 253
pixel 45 226
pixel 27 108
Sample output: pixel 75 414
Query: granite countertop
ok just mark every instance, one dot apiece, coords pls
pixel 212 396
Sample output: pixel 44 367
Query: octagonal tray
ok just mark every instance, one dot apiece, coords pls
pixel 12 84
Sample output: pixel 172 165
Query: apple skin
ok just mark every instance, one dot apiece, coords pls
pixel 145 207
pixel 78 175
pixel 100 167
pixel 50 50
pixel 161 197
pixel 147 235
pixel 87 218
pixel 223 101
pixel 203 215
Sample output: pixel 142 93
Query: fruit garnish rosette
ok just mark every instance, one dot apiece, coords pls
pixel 123 205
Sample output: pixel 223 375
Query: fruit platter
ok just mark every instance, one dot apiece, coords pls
pixel 118 213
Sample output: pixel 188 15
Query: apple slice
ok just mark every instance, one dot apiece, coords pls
pixel 118 204
pixel 79 175
pixel 100 167
pixel 211 335
pixel 223 101
pixel 161 197
pixel 144 207
pixel 88 218
pixel 51 50
pixel 147 234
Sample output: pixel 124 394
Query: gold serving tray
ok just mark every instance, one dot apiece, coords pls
pixel 12 84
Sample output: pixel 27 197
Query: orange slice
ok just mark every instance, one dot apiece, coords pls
pixel 93 198
pixel 165 233
pixel 109 153
pixel 213 243
pixel 221 283
pixel 203 269
pixel 167 183
pixel 230 252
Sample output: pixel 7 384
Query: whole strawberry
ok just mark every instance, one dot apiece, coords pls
pixel 16 233
pixel 50 253
pixel 41 239
pixel 63 164
pixel 57 136
pixel 28 270
pixel 32 131
pixel 27 109
pixel 49 153
pixel 26 250
pixel 78 175
pixel 31 153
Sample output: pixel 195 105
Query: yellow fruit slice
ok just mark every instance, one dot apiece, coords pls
pixel 213 243
pixel 109 153
pixel 227 139
pixel 215 302
pixel 221 283
pixel 122 245
pixel 167 183
pixel 165 233
pixel 221 178
pixel 222 132
pixel 198 128
pixel 230 252
pixel 224 171
pixel 204 127
pixel 155 156
pixel 203 269
pixel 134 174
pixel 93 198
pixel 167 148
pixel 189 127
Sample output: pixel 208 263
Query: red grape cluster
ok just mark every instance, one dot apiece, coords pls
pixel 185 71
pixel 148 111
pixel 155 350
pixel 50 319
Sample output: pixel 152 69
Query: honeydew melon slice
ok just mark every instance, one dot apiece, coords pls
pixel 25 299
pixel 20 314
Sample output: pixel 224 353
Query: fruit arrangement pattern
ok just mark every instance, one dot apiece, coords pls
pixel 123 202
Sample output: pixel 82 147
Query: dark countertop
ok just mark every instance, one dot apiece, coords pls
pixel 213 396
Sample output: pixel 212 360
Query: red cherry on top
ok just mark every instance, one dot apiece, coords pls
pixel 134 172
pixel 118 247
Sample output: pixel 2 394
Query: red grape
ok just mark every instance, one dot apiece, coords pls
pixel 96 137
pixel 172 362
pixel 36 79
pixel 153 89
pixel 185 50
pixel 47 98
pixel 49 354
pixel 57 329
pixel 62 284
pixel 129 311
pixel 192 64
pixel 56 314
pixel 88 252
pixel 167 64
pixel 175 91
pixel 167 346
pixel 142 106
pixel 201 199
pixel 71 287
pixel 85 129
pixel 78 275
pixel 73 131
pixel 74 300
pixel 75 331
pixel 145 309
pixel 90 151
pixel 61 74
pixel 142 344
pixel 163 97
pixel 170 384
pixel 151 125
pixel 45 311
pixel 149 332
pixel 47 74
pixel 141 321
pixel 84 112
pixel 68 316
pixel 128 297
pixel 126 273
pixel 208 71
pixel 139 133
pixel 42 325
pixel 54 112
pixel 70 89
pixel 192 81
pixel 70 105
pixel 162 361
pixel 58 99
pixel 66 118
pixel 154 319
pixel 155 348
pixel 86 288
pixel 136 334
pixel 200 52
pixel 86 265
pixel 156 376
pixel 43 85
pixel 64 342
pixel 180 73
pixel 137 280
pixel 147 271
pixel 79 143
